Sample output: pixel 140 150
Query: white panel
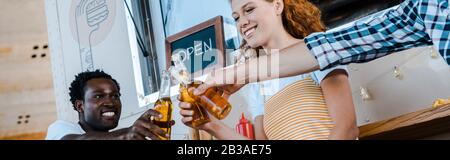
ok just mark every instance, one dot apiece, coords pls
pixel 158 29
pixel 63 107
pixel 424 79
pixel 111 52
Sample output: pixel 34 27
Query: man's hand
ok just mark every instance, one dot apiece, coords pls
pixel 144 128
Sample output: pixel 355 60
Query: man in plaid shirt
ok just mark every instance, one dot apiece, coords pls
pixel 413 23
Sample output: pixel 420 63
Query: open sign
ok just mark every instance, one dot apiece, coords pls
pixel 201 47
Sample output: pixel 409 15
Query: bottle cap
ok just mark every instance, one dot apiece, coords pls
pixel 243 119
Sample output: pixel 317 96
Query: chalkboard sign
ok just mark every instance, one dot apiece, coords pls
pixel 200 47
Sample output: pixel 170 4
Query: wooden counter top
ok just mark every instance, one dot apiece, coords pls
pixel 414 125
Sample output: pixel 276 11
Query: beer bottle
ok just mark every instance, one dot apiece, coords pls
pixel 180 73
pixel 164 105
pixel 211 100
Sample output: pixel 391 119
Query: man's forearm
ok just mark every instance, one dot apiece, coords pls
pixel 291 61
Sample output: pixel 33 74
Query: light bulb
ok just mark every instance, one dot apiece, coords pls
pixel 434 55
pixel 397 73
pixel 365 95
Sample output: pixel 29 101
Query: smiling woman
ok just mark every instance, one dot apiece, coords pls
pixel 316 105
pixel 299 19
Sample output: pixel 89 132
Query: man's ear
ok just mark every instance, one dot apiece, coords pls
pixel 79 106
pixel 279 6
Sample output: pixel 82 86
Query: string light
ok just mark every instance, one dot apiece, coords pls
pixel 434 55
pixel 365 95
pixel 397 73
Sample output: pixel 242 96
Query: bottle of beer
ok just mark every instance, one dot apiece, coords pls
pixel 211 100
pixel 164 105
pixel 180 73
pixel 200 115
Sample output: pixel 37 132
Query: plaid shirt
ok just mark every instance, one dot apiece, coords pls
pixel 413 23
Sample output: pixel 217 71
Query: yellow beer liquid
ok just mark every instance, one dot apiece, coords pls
pixel 165 107
pixel 200 116
pixel 215 104
pixel 212 101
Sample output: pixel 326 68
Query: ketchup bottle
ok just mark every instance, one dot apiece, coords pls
pixel 245 128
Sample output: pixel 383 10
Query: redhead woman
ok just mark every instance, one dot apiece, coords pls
pixel 312 106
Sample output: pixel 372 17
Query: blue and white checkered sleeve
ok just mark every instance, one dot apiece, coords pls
pixel 436 16
pixel 393 30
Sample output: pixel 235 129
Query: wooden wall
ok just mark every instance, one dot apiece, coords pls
pixel 27 103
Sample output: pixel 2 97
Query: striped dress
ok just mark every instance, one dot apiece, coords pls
pixel 298 112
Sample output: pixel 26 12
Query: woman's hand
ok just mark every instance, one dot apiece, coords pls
pixel 215 127
pixel 187 112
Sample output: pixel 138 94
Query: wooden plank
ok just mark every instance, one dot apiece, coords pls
pixel 26 88
pixel 414 125
pixel 27 119
pixel 16 83
pixel 28 136
pixel 39 105
pixel 5 51
pixel 21 72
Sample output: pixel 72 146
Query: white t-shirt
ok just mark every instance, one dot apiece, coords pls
pixel 258 93
pixel 59 129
